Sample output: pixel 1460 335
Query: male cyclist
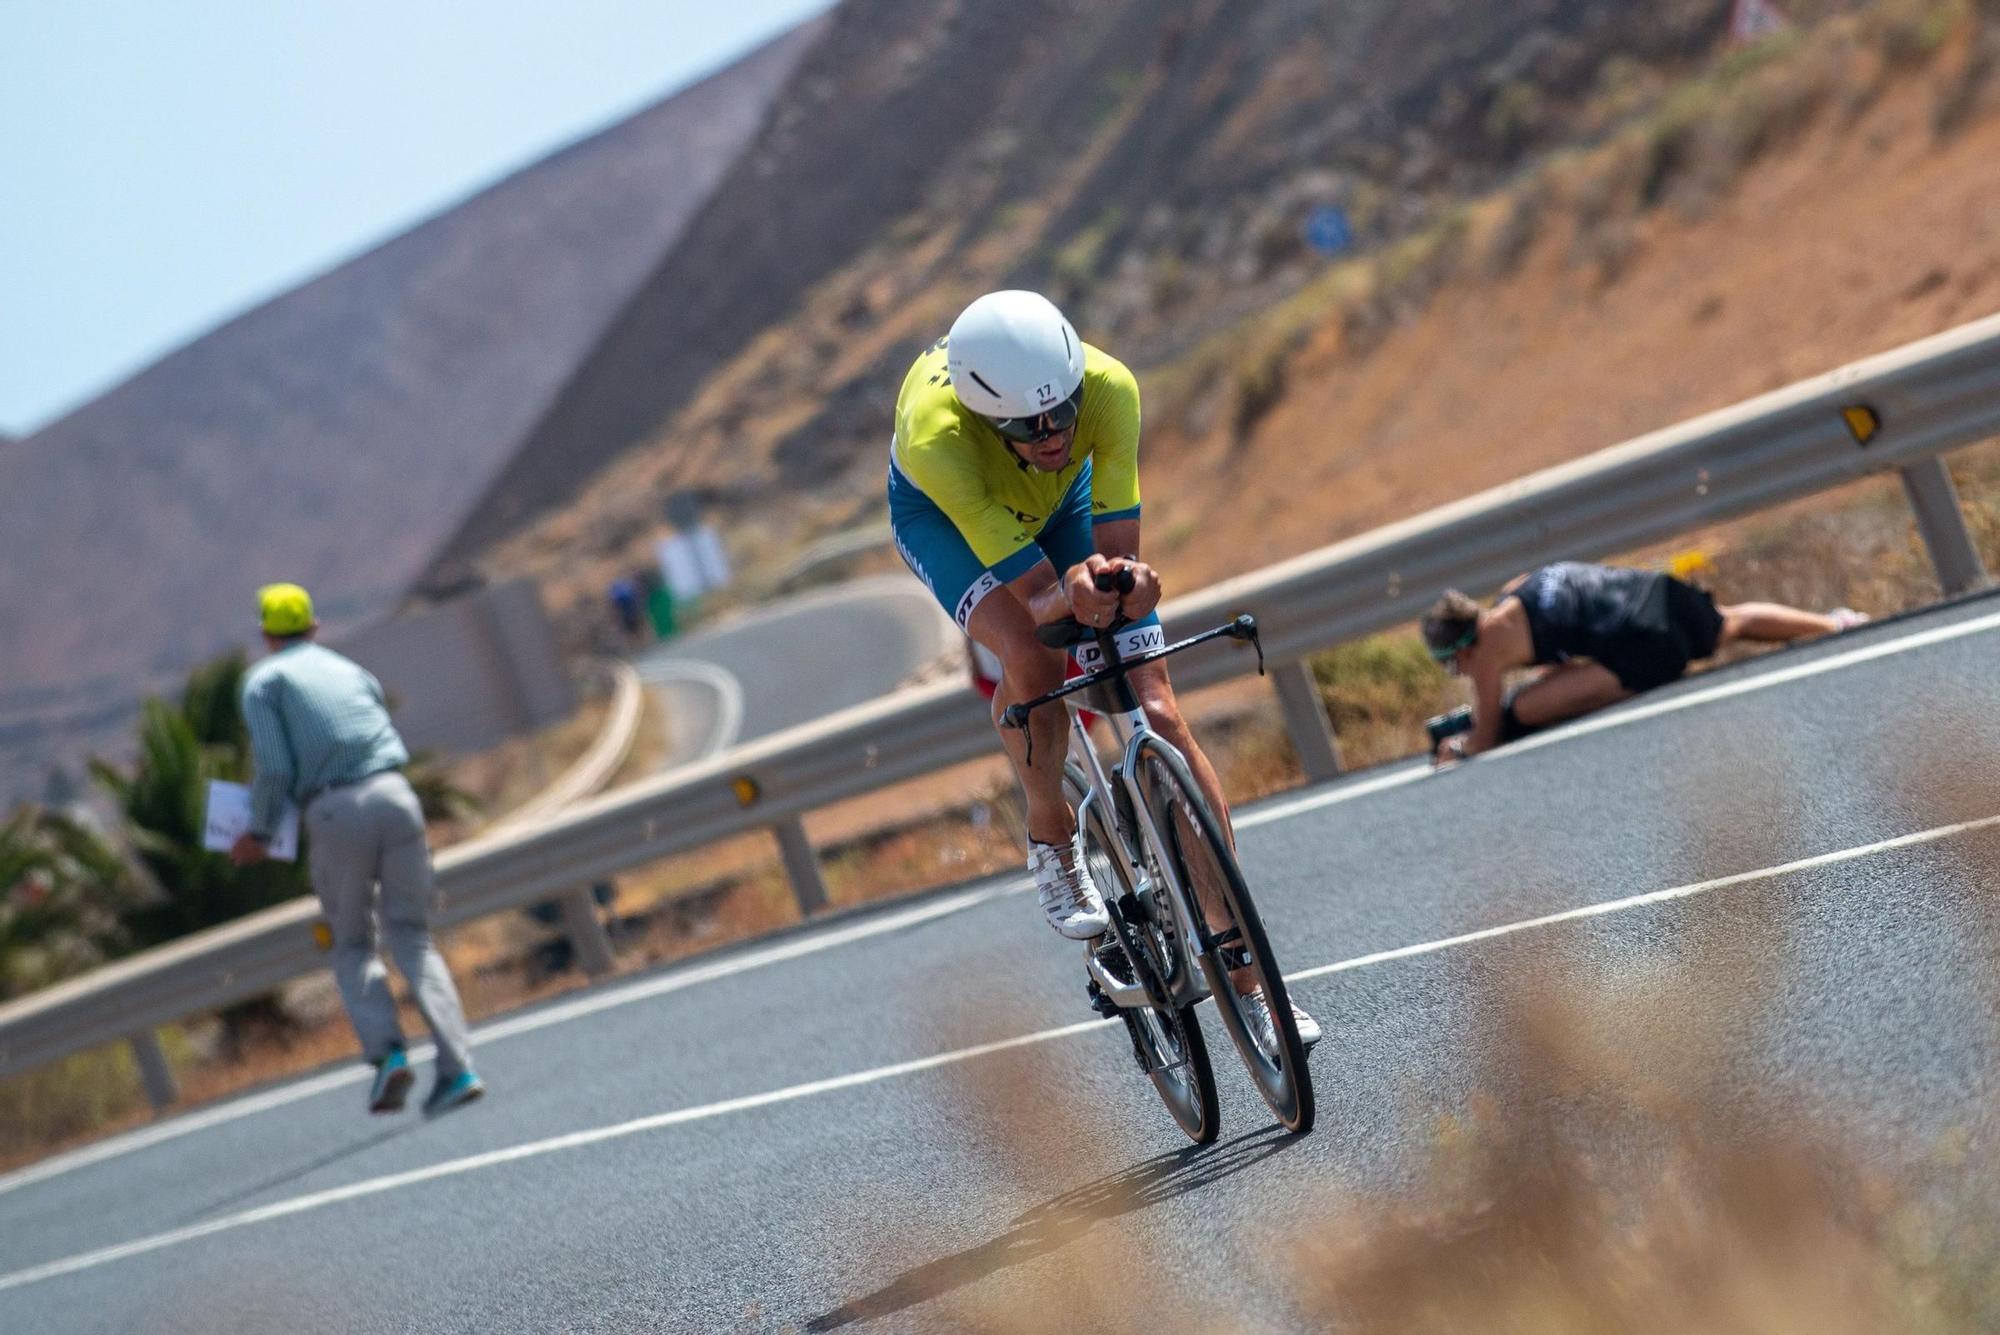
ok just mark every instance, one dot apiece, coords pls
pixel 1013 481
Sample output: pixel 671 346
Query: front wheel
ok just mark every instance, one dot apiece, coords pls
pixel 1205 868
pixel 1166 1040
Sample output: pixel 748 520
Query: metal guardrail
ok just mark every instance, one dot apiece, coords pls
pixel 591 772
pixel 1899 410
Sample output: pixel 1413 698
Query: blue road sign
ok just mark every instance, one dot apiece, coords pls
pixel 1327 230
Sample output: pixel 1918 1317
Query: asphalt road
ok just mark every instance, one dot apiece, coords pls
pixel 793 661
pixel 1781 875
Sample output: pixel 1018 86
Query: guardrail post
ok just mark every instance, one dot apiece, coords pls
pixel 1942 522
pixel 162 1090
pixel 1306 721
pixel 801 865
pixel 587 937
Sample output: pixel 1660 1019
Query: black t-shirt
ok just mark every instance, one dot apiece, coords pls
pixel 1579 610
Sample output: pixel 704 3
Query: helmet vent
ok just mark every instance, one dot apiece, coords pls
pixel 1068 351
pixel 982 383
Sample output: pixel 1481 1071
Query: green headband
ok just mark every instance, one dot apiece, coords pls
pixel 1462 642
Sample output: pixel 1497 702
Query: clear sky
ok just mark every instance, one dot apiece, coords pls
pixel 166 164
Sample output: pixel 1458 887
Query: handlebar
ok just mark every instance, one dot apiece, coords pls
pixel 1243 627
pixel 1066 632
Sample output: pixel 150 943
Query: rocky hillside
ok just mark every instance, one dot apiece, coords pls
pixel 1151 166
pixel 1575 222
pixel 337 434
pixel 737 339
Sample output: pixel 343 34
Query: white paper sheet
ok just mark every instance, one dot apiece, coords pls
pixel 229 819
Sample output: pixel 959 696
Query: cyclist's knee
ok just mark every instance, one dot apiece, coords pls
pixel 1163 710
pixel 1030 667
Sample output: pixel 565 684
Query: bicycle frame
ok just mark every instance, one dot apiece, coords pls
pixel 1129 723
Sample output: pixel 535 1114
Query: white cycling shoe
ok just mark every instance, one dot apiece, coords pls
pixel 1264 1030
pixel 1062 883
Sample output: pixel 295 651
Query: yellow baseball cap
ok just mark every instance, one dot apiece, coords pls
pixel 285 609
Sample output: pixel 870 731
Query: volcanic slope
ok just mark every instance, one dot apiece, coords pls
pixel 338 433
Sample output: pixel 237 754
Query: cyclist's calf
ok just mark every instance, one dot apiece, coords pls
pixel 1163 713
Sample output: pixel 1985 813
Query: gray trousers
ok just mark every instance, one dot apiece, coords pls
pixel 368 834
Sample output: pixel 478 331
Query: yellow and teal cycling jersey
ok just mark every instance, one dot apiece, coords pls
pixel 996 500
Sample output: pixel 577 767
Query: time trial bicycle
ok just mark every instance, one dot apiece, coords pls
pixel 1183 925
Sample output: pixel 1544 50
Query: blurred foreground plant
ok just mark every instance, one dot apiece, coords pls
pixel 64 893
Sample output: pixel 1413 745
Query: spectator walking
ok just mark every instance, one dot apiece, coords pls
pixel 1602 634
pixel 320 736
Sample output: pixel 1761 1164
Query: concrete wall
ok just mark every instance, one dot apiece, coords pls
pixel 471 673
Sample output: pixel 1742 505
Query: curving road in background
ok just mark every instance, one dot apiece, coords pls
pixel 896 1118
pixel 793 661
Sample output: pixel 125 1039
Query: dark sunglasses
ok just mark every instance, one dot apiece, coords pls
pixel 1034 430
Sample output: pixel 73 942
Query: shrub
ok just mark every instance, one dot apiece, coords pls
pixel 75 1095
pixel 1963 93
pixel 64 894
pixel 1513 117
pixel 1378 691
pixel 1260 387
pixel 1909 32
pixel 1508 243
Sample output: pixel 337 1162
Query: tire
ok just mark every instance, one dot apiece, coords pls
pixel 1188 1088
pixel 1202 857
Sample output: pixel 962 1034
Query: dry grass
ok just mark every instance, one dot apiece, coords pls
pixel 1608 1194
pixel 1607 1174
pixel 1681 147
pixel 87 1094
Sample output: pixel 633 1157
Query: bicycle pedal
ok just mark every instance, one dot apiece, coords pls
pixel 1100 1003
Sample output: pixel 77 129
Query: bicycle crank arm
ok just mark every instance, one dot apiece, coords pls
pixel 1119 991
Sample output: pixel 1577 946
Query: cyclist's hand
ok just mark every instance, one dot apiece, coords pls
pixel 1145 595
pixel 1087 603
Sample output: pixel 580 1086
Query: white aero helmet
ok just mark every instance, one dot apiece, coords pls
pixel 1013 356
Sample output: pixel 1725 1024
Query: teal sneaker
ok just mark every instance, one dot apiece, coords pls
pixel 456 1092
pixel 393 1078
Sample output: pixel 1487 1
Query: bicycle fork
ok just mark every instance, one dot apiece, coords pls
pixel 1130 726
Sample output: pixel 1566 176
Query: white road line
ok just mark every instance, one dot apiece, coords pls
pixel 1264 815
pixel 657 1121
pixel 1745 685
pixel 533 1148
pixel 1651 897
pixel 726 719
pixel 524 1023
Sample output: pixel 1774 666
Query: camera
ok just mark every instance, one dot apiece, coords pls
pixel 1449 725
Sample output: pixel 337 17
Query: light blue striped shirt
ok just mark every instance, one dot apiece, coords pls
pixel 316 719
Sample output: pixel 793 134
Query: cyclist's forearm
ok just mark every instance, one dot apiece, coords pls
pixel 1041 593
pixel 1117 537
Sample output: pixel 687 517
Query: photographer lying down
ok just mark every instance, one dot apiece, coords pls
pixel 1601 634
